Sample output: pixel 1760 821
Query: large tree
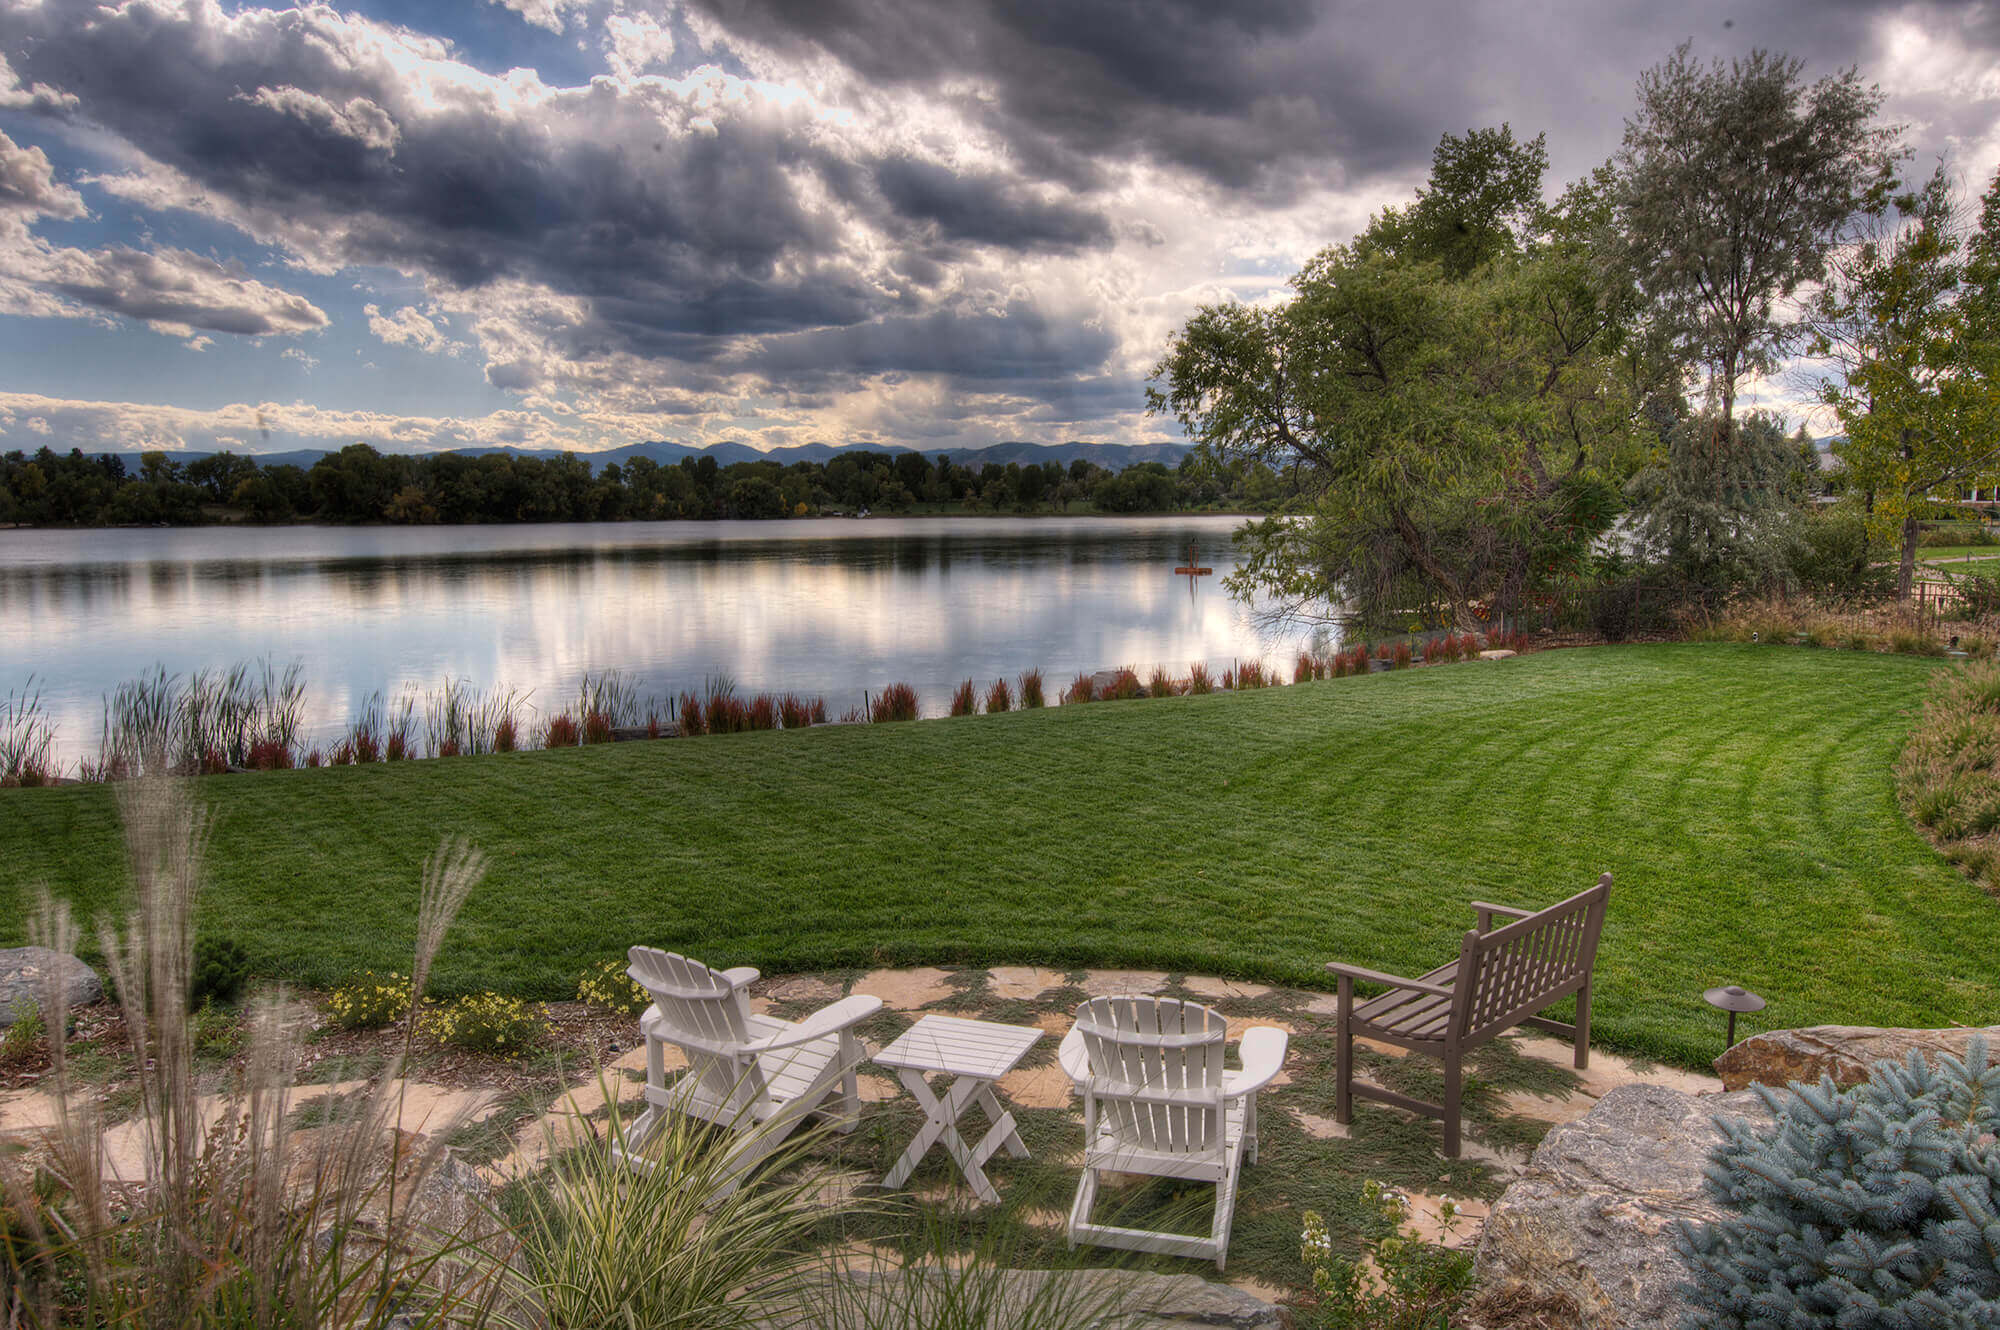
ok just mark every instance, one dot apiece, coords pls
pixel 1447 393
pixel 1734 181
pixel 1906 321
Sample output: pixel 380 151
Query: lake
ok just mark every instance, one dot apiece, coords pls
pixel 830 607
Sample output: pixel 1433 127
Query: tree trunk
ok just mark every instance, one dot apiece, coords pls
pixel 1906 571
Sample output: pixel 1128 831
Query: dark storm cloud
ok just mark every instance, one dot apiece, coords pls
pixel 1275 94
pixel 1017 344
pixel 675 224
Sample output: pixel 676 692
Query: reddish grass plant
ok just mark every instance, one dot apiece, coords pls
pixel 1250 674
pixel 1198 680
pixel 896 702
pixel 796 713
pixel 1401 660
pixel 1161 684
pixel 506 734
pixel 269 755
pixel 561 731
pixel 999 697
pixel 1082 689
pixel 692 721
pixel 965 699
pixel 762 713
pixel 1031 690
pixel 596 727
pixel 1123 687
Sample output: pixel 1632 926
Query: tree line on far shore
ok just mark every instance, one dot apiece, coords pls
pixel 359 484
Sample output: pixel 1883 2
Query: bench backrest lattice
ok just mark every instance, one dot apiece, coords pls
pixel 1513 972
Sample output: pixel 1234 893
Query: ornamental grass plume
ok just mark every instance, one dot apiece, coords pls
pixel 1031 690
pixel 234 1217
pixel 965 699
pixel 896 702
pixel 1198 680
pixel 999 697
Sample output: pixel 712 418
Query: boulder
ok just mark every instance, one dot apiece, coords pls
pixel 25 972
pixel 1844 1052
pixel 1592 1215
pixel 1131 1299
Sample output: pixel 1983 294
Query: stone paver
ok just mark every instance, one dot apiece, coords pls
pixel 803 988
pixel 1208 986
pixel 1037 1087
pixel 1123 983
pixel 906 990
pixel 1021 983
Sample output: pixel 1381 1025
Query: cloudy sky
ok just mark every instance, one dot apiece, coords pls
pixel 584 223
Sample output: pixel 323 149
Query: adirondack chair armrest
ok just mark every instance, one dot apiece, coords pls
pixel 827 1020
pixel 1263 1052
pixel 1388 980
pixel 1487 909
pixel 1074 1058
pixel 741 975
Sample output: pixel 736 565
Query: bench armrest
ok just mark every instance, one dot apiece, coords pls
pixel 1487 909
pixel 741 975
pixel 1263 1052
pixel 1074 1057
pixel 827 1020
pixel 1391 980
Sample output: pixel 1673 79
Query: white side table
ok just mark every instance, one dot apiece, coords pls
pixel 975 1054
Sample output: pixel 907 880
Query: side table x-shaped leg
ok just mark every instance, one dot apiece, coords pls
pixel 941 1123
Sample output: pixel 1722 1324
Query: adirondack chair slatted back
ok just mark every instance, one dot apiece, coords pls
pixel 1515 971
pixel 697 1002
pixel 1156 1071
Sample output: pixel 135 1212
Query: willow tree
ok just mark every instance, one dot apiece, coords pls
pixel 1735 181
pixel 1907 318
pixel 1452 394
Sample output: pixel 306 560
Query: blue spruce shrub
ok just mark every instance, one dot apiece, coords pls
pixel 1876 1206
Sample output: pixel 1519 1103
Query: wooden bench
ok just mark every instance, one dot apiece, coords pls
pixel 1502 977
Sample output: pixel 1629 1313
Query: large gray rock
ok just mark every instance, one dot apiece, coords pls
pixel 25 972
pixel 1844 1052
pixel 1113 1299
pixel 1593 1214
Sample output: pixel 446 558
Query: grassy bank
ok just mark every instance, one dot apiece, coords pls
pixel 1742 795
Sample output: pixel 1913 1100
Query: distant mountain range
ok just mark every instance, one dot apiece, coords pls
pixel 1111 456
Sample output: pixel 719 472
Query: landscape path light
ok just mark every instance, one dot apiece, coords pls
pixel 1733 998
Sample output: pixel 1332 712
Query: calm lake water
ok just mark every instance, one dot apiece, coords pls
pixel 828 607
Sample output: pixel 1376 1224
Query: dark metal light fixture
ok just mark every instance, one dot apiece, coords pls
pixel 1733 998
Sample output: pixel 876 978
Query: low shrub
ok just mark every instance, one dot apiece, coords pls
pixel 1306 669
pixel 761 713
pixel 999 697
pixel 1413 1284
pixel 1031 690
pixel 1946 535
pixel 561 732
pixel 1081 689
pixel 596 727
pixel 1910 643
pixel 1198 680
pixel 965 699
pixel 20 1040
pixel 1948 775
pixel 369 1002
pixel 1161 684
pixel 1871 1206
pixel 606 985
pixel 896 702
pixel 489 1023
pixel 506 734
pixel 221 967
pixel 1250 674
pixel 1337 667
pixel 1400 659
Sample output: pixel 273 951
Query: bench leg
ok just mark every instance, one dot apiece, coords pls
pixel 1343 1092
pixel 1582 1036
pixel 1452 1078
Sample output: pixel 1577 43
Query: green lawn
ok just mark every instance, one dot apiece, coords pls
pixel 1742 796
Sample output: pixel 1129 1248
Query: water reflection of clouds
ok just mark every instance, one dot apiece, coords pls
pixel 829 612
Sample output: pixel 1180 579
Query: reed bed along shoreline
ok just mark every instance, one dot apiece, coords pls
pixel 250 717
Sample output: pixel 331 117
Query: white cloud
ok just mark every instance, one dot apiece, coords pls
pixel 409 327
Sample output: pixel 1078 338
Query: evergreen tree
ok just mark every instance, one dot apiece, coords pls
pixel 1876 1206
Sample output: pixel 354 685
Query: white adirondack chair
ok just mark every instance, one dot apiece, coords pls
pixel 1158 1101
pixel 755 1075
